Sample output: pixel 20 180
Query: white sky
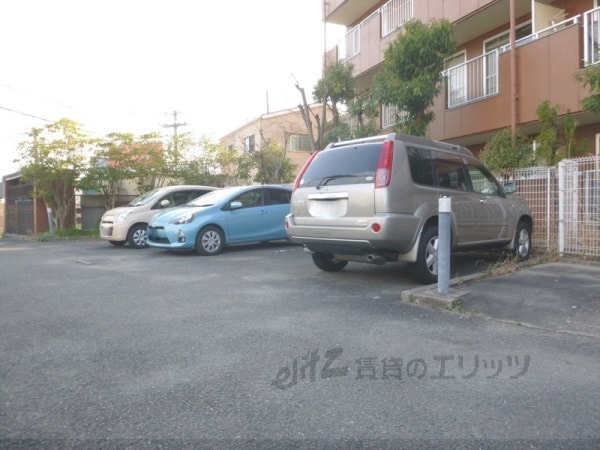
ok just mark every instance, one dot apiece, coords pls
pixel 126 65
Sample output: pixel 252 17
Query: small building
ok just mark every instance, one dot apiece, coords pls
pixel 23 213
pixel 285 127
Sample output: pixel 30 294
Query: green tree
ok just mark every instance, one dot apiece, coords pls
pixel 363 110
pixel 150 162
pixel 53 159
pixel 410 78
pixel 590 77
pixel 209 163
pixel 506 152
pixel 111 165
pixel 273 165
pixel 556 139
pixel 360 122
pixel 269 165
pixel 336 87
pixel 308 116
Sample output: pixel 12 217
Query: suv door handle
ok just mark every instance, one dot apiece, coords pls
pixel 483 201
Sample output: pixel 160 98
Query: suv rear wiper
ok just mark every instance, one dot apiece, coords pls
pixel 327 179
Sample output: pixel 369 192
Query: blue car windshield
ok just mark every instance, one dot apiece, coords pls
pixel 213 197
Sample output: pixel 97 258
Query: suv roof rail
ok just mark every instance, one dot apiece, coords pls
pixel 381 137
pixel 406 138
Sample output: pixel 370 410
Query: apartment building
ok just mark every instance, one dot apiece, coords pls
pixel 488 84
pixel 285 127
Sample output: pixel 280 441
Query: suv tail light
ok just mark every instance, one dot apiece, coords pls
pixel 303 170
pixel 383 173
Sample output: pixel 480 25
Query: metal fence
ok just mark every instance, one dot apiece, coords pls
pixel 565 205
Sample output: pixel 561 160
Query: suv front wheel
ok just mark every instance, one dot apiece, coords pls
pixel 522 247
pixel 327 262
pixel 425 269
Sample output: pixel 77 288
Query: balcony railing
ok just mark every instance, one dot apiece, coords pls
pixel 349 46
pixel 473 80
pixel 394 14
pixel 591 36
pixel 543 33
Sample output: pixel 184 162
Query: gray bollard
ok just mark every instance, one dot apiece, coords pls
pixel 445 233
pixel 50 222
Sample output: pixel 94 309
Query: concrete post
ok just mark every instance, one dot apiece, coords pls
pixel 50 222
pixel 444 238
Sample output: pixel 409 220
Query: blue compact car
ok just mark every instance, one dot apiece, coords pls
pixel 233 215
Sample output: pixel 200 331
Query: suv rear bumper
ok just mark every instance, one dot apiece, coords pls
pixel 398 234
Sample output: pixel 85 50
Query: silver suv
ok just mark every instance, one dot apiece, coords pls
pixel 375 200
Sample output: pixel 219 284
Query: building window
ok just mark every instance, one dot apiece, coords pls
pixel 503 40
pixel 349 46
pixel 249 144
pixel 457 78
pixel 299 142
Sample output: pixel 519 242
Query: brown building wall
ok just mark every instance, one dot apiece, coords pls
pixel 545 71
pixel 489 114
pixel 452 10
pixel 423 9
pixel 587 133
pixel 545 67
pixel 2 217
pixel 24 214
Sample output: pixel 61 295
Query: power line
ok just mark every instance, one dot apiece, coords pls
pixel 45 120
pixel 24 114
pixel 175 125
pixel 33 94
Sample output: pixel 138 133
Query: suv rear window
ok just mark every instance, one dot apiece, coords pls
pixel 354 164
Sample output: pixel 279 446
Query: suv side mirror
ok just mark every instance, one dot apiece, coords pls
pixel 510 188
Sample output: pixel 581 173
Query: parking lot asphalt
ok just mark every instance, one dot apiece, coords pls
pixel 562 296
pixel 559 296
pixel 106 347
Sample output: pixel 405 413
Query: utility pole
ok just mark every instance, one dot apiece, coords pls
pixel 175 125
pixel 514 94
pixel 267 94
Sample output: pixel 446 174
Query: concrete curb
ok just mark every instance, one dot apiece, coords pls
pixel 429 295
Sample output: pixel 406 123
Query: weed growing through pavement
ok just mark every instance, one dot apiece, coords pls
pixel 511 264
